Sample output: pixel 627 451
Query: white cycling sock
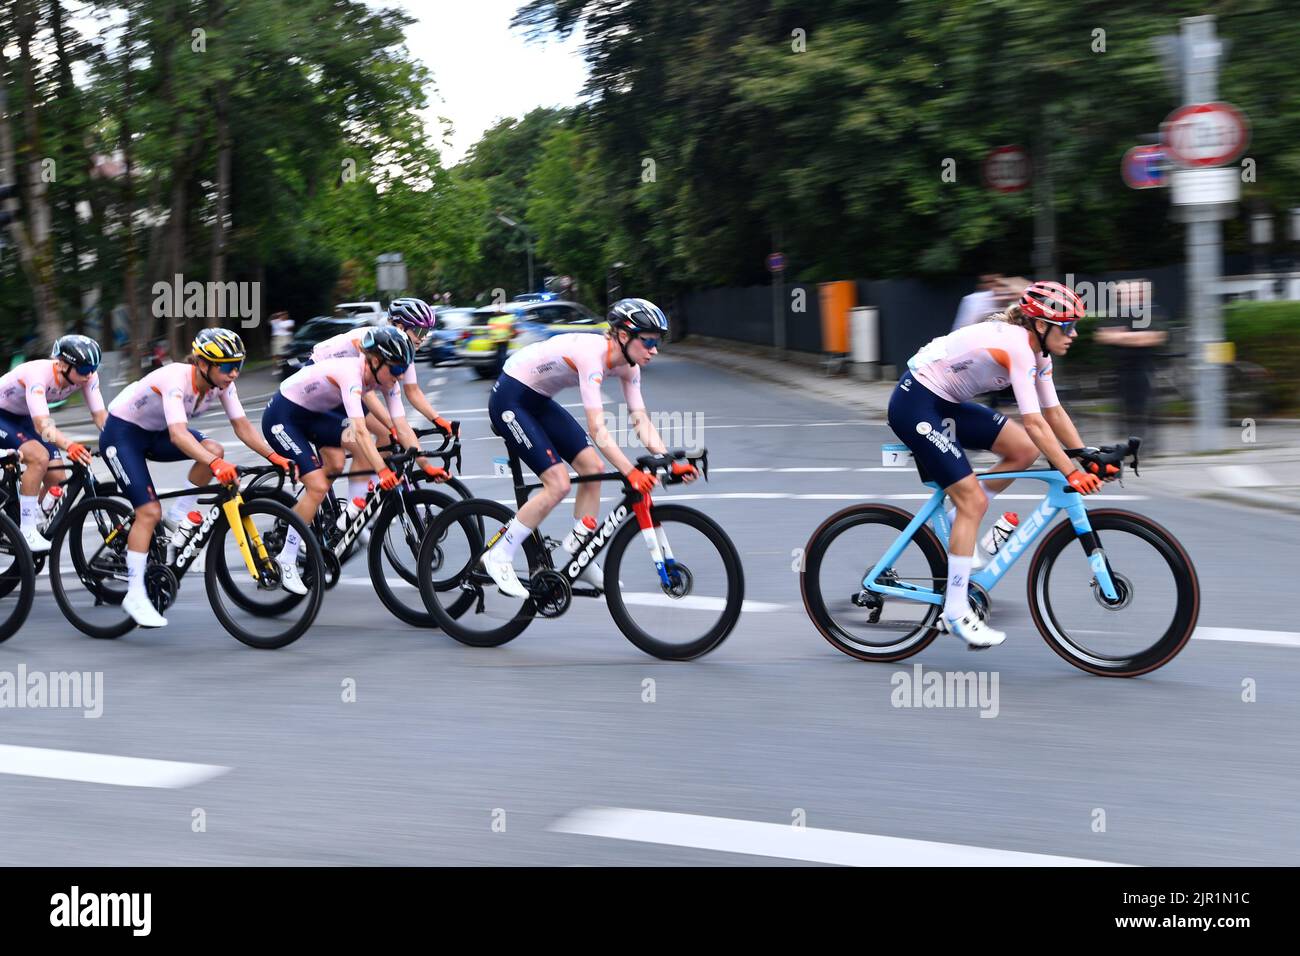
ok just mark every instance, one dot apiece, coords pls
pixel 955 604
pixel 28 508
pixel 292 544
pixel 135 565
pixel 516 531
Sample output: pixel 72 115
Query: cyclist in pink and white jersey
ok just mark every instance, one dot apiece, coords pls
pixel 415 318
pixel 149 421
pixel 26 425
pixel 932 412
pixel 524 412
pixel 319 413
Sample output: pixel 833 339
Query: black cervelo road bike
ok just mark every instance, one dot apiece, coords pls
pixel 399 518
pixel 677 602
pixel 241 574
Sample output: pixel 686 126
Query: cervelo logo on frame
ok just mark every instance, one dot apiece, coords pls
pixel 197 539
pixel 582 559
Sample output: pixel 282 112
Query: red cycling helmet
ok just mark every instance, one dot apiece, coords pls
pixel 1055 304
pixel 1052 302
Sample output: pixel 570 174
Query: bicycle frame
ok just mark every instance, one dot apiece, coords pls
pixel 1060 497
pixel 651 531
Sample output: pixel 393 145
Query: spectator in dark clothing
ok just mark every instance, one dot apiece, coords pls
pixel 1133 337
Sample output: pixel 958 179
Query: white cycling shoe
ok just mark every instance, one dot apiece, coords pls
pixel 142 610
pixel 36 541
pixel 290 579
pixel 503 573
pixel 973 631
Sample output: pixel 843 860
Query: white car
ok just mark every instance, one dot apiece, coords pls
pixel 345 309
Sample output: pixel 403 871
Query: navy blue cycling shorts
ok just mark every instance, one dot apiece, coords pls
pixel 126 447
pixel 17 430
pixel 536 428
pixel 298 432
pixel 938 431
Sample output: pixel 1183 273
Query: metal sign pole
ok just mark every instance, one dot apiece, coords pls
pixel 1204 243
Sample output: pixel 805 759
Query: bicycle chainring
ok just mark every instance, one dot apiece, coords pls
pixel 161 585
pixel 980 601
pixel 550 592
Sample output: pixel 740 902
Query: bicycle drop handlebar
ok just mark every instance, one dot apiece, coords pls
pixel 1110 455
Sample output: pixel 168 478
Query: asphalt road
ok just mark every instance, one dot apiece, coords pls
pixel 547 751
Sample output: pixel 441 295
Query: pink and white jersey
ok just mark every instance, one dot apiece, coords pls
pixel 338 381
pixel 169 396
pixel 574 358
pixel 986 357
pixel 348 344
pixel 29 388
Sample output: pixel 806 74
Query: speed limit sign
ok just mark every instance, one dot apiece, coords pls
pixel 1007 169
pixel 1205 134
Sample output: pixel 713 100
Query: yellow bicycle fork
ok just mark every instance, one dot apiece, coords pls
pixel 242 527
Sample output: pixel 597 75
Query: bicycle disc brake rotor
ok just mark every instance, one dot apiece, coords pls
pixel 1123 589
pixel 682 581
pixel 550 592
pixel 161 585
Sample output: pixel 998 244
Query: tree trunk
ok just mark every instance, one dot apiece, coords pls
pixel 67 118
pixel 137 320
pixel 219 231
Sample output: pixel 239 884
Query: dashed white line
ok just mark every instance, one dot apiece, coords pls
pixel 1244 636
pixel 793 843
pixel 104 768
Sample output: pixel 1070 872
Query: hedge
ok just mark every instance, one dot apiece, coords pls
pixel 1268 334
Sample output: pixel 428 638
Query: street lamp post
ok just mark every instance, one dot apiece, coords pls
pixel 528 243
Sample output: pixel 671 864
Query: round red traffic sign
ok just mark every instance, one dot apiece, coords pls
pixel 1007 169
pixel 775 261
pixel 1205 134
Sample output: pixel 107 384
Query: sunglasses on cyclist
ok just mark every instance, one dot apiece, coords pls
pixel 397 370
pixel 650 342
pixel 229 367
pixel 1065 327
pixel 85 370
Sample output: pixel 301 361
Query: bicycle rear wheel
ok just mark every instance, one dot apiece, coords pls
pixel 861 623
pixel 1159 596
pixel 461 596
pixel 697 609
pixel 88 567
pixel 17 579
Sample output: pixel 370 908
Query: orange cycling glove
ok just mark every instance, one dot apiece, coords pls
pixel 436 473
pixel 223 471
pixel 641 481
pixel 79 453
pixel 443 424
pixel 1105 474
pixel 683 468
pixel 284 464
pixel 1084 484
pixel 388 479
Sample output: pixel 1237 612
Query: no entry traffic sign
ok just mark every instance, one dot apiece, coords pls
pixel 1205 134
pixel 1007 169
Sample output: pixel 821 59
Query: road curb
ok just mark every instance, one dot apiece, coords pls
pixel 1249 499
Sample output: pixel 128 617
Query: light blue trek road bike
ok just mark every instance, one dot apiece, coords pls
pixel 1122 603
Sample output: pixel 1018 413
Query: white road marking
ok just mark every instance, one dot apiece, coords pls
pixel 1243 476
pixel 104 768
pixel 793 843
pixel 1242 635
pixel 697 602
pixel 810 469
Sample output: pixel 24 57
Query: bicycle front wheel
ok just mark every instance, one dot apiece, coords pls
pixel 696 608
pixel 395 552
pixel 244 612
pixel 859 622
pixel 17 579
pixel 1159 596
pixel 88 567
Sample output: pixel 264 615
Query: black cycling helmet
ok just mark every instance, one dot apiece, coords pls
pixel 639 317
pixel 389 344
pixel 79 351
